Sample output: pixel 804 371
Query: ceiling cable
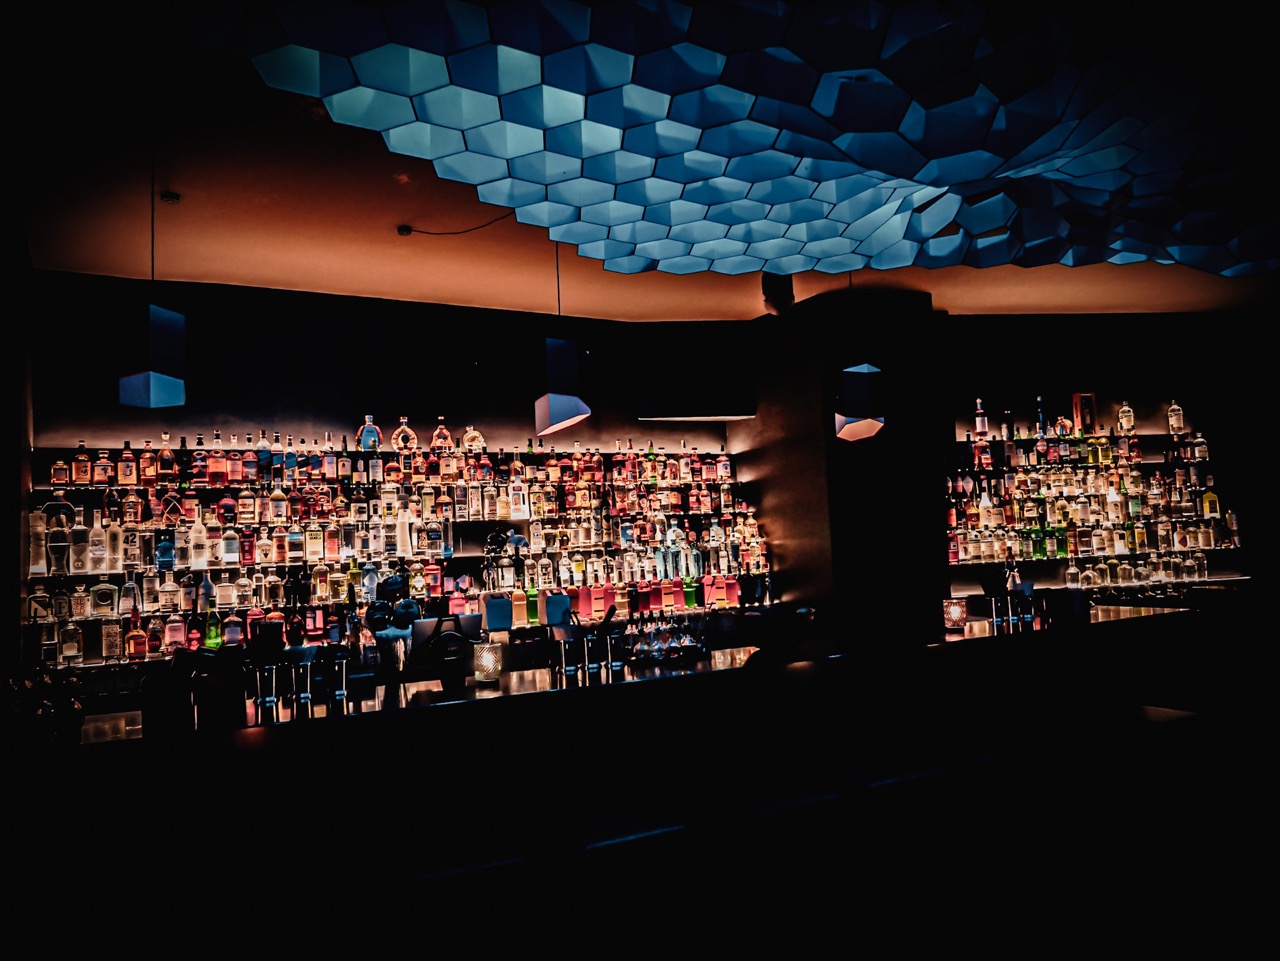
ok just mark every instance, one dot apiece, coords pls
pixel 404 230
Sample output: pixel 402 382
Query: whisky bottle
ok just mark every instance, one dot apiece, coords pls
pixel 104 471
pixel 291 474
pixel 81 466
pixel 1177 423
pixel 127 466
pixel 135 639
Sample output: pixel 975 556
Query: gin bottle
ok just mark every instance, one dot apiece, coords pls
pixel 37 542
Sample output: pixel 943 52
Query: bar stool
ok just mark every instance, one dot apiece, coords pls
pixel 264 649
pixel 337 655
pixel 299 658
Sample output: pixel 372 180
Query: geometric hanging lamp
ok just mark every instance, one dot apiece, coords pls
pixel 161 384
pixel 859 413
pixel 560 406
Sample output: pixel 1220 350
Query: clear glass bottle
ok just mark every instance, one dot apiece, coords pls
pixel 37 544
pixel 1177 423
pixel 70 644
pixel 57 537
pixel 472 440
pixel 1124 418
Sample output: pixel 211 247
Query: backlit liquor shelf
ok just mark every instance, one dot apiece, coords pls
pixel 1088 506
pixel 144 551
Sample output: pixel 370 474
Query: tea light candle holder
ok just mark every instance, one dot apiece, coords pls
pixel 488 660
pixel 955 610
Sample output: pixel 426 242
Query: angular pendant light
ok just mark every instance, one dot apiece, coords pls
pixel 560 406
pixel 858 414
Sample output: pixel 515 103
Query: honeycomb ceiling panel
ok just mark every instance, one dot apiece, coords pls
pixel 909 100
pixel 714 137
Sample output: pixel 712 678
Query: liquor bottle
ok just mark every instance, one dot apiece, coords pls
pixel 112 640
pixel 37 544
pixel 1124 418
pixel 57 536
pixel 199 463
pixel 980 421
pixel 170 594
pixel 344 463
pixel 165 461
pixel 70 643
pixel 81 466
pixel 135 639
pixel 80 602
pixel 1200 448
pixel 290 473
pixel 175 633
pixel 127 466
pixel 724 467
pixel 216 461
pixel 212 629
pixel 198 543
pixel 104 471
pixel 96 559
pixel 77 544
pixel 368 434
pixel 155 636
pixel 472 440
pixel 441 438
pixel 250 462
pixel 1177 424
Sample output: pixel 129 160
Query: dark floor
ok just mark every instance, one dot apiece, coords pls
pixel 803 809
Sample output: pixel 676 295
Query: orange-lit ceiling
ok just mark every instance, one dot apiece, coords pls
pixel 265 190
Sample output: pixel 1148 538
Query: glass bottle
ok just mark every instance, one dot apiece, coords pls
pixel 198 543
pixel 165 461
pixel 112 640
pixel 472 440
pixel 216 462
pixel 70 643
pixel 441 438
pixel 368 434
pixel 37 544
pixel 1177 423
pixel 199 463
pixel 135 639
pixel 104 471
pixel 81 466
pixel 80 602
pixel 170 593
pixel 250 460
pixel 1124 419
pixel 175 632
pixel 57 535
pixel 127 467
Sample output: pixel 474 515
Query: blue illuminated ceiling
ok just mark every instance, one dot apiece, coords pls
pixel 747 136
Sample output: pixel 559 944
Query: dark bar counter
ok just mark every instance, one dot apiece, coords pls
pixel 814 789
